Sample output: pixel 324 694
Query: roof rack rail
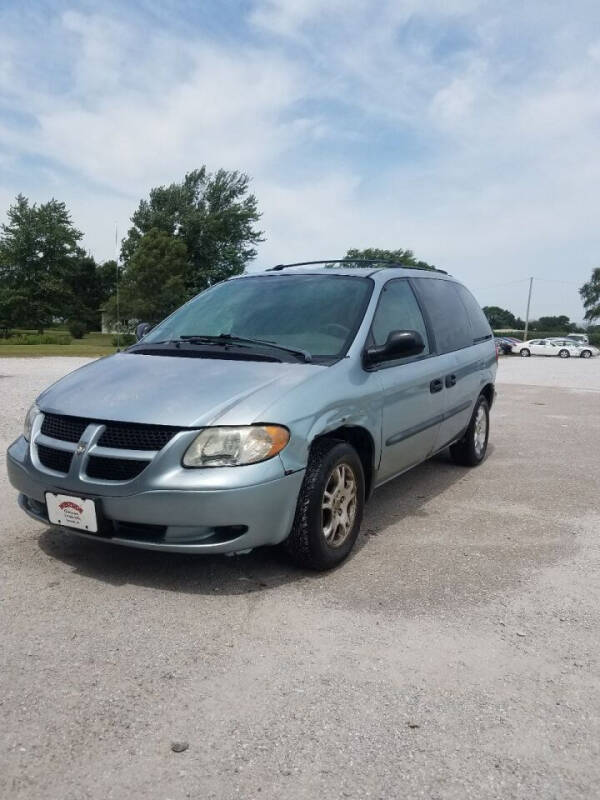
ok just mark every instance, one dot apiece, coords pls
pixel 389 262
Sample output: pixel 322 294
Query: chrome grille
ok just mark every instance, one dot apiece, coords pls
pixel 118 435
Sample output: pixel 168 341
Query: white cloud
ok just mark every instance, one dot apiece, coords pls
pixel 288 17
pixel 224 108
pixel 465 131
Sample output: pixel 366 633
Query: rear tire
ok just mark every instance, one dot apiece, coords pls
pixel 330 506
pixel 471 450
pixel 524 353
pixel 564 354
pixel 586 354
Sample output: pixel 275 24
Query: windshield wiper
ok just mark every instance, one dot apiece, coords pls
pixel 227 338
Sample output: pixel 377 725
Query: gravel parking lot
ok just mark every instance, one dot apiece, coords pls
pixel 454 656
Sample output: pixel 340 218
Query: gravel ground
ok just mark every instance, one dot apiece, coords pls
pixel 454 656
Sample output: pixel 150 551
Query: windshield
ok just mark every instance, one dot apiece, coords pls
pixel 316 313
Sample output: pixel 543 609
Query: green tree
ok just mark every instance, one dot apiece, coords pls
pixel 560 323
pixel 88 291
pixel 153 284
pixel 213 215
pixel 38 254
pixel 106 274
pixel 590 294
pixel 404 257
pixel 500 318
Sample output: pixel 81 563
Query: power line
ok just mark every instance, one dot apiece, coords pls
pixel 554 280
pixel 498 285
pixel 524 280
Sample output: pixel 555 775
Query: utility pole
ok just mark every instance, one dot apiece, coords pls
pixel 117 287
pixel 528 305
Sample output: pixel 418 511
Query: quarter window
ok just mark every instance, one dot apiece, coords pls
pixel 398 310
pixel 447 314
pixel 479 324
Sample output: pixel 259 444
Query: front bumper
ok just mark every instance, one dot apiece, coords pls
pixel 205 513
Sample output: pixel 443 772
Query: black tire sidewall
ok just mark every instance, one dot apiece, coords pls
pixel 586 354
pixel 318 554
pixel 525 352
pixel 564 353
pixel 481 402
pixel 463 452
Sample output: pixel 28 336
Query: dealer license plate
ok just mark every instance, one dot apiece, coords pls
pixel 72 512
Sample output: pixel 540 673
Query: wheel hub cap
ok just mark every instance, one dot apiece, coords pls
pixel 480 431
pixel 338 507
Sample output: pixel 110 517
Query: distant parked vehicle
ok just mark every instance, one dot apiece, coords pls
pixel 580 338
pixel 587 350
pixel 582 350
pixel 563 348
pixel 503 345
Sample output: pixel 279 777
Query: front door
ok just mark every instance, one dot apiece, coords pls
pixel 539 348
pixel 412 389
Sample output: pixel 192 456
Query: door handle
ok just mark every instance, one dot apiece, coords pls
pixel 450 381
pixel 436 385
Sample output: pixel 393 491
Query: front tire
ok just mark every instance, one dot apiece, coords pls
pixel 586 354
pixel 471 450
pixel 330 506
pixel 564 354
pixel 525 353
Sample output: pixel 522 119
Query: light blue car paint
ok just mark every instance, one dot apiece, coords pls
pixel 233 509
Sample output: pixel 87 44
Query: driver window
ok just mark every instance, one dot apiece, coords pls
pixel 398 310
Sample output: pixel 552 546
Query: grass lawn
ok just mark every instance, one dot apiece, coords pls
pixel 92 345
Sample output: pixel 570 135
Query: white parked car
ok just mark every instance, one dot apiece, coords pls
pixel 583 350
pixel 578 338
pixel 563 348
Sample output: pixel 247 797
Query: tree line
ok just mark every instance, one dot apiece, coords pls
pixel 503 319
pixel 183 238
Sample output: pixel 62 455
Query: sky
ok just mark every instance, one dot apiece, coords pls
pixel 465 130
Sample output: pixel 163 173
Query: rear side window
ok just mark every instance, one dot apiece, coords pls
pixel 479 324
pixel 398 310
pixel 447 313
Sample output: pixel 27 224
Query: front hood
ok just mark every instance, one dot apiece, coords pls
pixel 170 390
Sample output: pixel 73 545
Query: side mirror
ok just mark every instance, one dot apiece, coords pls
pixel 142 329
pixel 399 344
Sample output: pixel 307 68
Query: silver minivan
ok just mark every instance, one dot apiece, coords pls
pixel 266 410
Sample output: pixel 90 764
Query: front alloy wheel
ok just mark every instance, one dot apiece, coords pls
pixel 480 432
pixel 338 508
pixel 330 506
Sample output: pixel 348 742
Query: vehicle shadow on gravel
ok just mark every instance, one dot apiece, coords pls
pixel 262 569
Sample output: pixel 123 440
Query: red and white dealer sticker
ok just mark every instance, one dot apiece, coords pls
pixel 72 512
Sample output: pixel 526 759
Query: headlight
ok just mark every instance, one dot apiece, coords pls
pixel 232 447
pixel 29 420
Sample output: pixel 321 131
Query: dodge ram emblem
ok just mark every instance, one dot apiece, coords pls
pixel 81 448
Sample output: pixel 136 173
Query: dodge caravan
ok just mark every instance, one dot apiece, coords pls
pixel 266 410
